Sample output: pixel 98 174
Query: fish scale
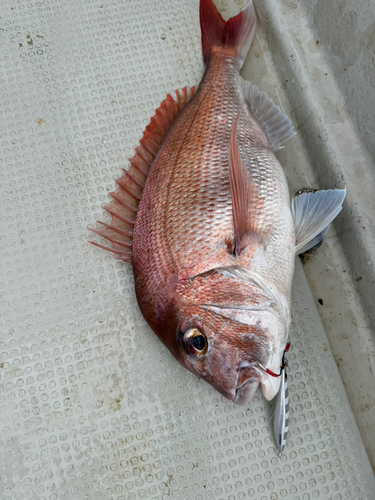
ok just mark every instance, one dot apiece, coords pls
pixel 200 182
pixel 214 238
pixel 187 228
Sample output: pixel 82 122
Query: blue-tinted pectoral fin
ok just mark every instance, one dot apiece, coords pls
pixel 312 213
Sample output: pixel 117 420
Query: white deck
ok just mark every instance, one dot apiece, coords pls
pixel 92 405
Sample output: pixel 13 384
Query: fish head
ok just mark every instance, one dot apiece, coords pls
pixel 227 331
pixel 223 330
pixel 227 347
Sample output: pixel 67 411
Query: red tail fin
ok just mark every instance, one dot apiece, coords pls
pixel 237 32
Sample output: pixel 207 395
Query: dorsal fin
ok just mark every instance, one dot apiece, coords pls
pixel 127 196
pixel 246 204
pixel 274 122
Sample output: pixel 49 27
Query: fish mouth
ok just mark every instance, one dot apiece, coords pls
pixel 245 392
pixel 247 384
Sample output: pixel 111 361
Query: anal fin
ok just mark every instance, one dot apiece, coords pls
pixel 246 204
pixel 126 198
pixel 312 213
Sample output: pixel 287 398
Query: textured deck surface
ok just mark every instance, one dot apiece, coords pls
pixel 92 406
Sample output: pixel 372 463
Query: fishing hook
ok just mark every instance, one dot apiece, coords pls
pixel 284 363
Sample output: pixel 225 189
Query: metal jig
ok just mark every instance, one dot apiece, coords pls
pixel 281 414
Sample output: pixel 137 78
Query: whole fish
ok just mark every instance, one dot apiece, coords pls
pixel 204 215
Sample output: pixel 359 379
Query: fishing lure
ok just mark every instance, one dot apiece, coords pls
pixel 281 415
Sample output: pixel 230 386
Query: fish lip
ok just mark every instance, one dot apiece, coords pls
pixel 245 392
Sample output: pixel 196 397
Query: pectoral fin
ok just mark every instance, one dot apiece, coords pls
pixel 312 213
pixel 246 204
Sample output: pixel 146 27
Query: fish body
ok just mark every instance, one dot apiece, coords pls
pixel 184 234
pixel 214 237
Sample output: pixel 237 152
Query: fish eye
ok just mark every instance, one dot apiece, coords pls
pixel 195 342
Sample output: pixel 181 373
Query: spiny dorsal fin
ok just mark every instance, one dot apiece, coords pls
pixel 274 122
pixel 246 204
pixel 127 196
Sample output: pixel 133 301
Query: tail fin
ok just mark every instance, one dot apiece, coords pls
pixel 237 32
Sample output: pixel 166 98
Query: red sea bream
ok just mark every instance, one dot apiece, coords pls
pixel 205 217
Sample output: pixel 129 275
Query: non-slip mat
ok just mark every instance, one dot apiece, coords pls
pixel 92 406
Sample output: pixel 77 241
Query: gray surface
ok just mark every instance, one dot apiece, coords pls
pixel 330 139
pixel 91 404
pixel 346 34
pixel 327 153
